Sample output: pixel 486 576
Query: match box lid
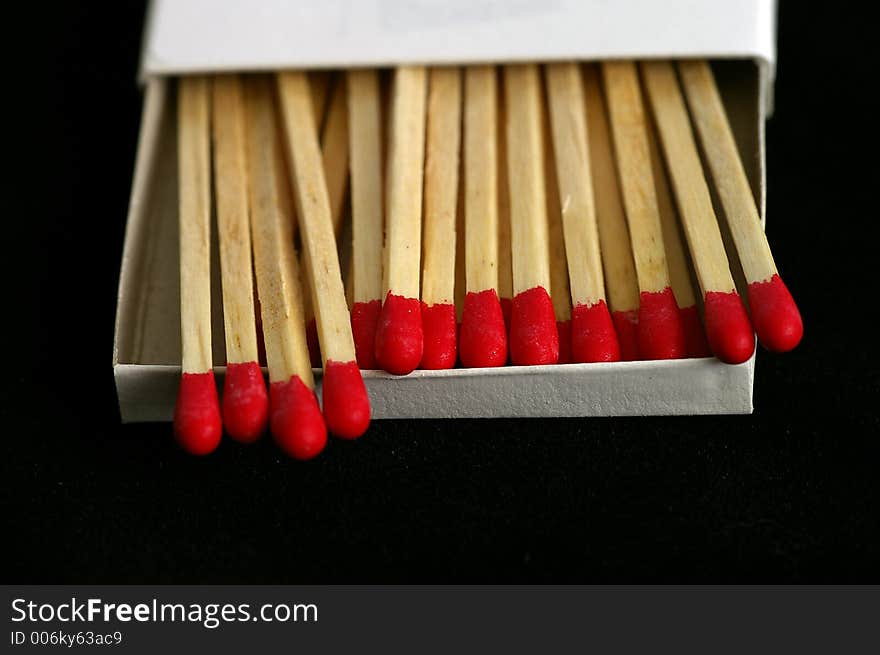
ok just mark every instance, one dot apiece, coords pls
pixel 187 36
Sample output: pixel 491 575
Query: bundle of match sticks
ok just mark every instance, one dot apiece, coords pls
pixel 519 214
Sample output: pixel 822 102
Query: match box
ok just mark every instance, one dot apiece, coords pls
pixel 187 36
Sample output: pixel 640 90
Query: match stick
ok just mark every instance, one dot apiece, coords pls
pixel 294 416
pixel 346 406
pixel 560 292
pixel 676 257
pixel 365 145
pixel 614 242
pixel 334 146
pixel 245 401
pixel 399 337
pixel 197 424
pixel 659 332
pixel 533 336
pixel 775 316
pixel 727 324
pixel 505 272
pixel 442 146
pixel 335 152
pixel 593 338
pixel 483 337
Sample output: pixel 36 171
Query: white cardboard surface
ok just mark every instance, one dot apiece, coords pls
pixel 198 35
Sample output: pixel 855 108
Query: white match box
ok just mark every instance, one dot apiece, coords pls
pixel 185 36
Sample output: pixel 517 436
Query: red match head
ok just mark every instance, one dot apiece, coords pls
pixel 364 318
pixel 626 325
pixel 776 317
pixel 728 328
pixel 533 335
pixel 593 338
pixel 197 425
pixel 295 419
pixel 660 332
pixel 346 405
pixel 439 329
pixel 399 339
pixel 245 402
pixel 483 338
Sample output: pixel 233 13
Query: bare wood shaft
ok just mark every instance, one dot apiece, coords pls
pixel 403 225
pixel 315 222
pixel 614 242
pixel 569 122
pixel 728 174
pixel 193 142
pixel 525 168
pixel 365 138
pixel 628 126
pixel 686 173
pixel 272 221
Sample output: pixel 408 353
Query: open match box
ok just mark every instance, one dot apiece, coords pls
pixel 188 36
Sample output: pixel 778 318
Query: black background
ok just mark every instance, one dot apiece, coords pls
pixel 788 494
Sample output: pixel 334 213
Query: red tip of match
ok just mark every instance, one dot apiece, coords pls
pixel 364 317
pixel 295 419
pixel 439 329
pixel 593 338
pixel 245 402
pixel 399 339
pixel 660 332
pixel 346 406
pixel 695 343
pixel 563 329
pixel 776 317
pixel 533 335
pixel 483 337
pixel 197 423
pixel 626 325
pixel 312 342
pixel 728 328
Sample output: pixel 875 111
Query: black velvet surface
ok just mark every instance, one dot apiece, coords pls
pixel 789 494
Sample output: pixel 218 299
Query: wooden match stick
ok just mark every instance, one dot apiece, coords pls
pixel 245 401
pixel 775 316
pixel 442 144
pixel 335 152
pixel 615 245
pixel 399 337
pixel 660 331
pixel 294 416
pixel 483 337
pixel 334 146
pixel 560 292
pixel 676 257
pixel 346 406
pixel 727 324
pixel 197 423
pixel 365 145
pixel 533 335
pixel 593 338
pixel 505 271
